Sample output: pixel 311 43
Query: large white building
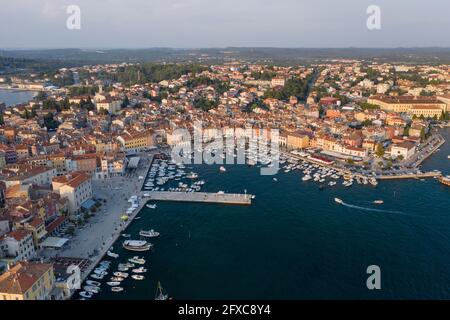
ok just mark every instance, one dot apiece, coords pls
pixel 17 246
pixel 405 149
pixel 76 187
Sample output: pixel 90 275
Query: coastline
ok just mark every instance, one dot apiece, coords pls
pixel 105 228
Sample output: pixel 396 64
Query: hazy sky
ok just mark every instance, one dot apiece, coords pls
pixel 221 23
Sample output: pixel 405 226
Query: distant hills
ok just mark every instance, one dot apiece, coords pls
pixel 214 55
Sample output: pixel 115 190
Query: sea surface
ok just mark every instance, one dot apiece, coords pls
pixel 295 242
pixel 13 97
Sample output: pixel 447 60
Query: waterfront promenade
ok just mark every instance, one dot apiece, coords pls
pixel 223 198
pixel 94 239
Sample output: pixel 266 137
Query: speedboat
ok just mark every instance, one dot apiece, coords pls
pixel 113 284
pixel 91 289
pixel 151 206
pixel 222 169
pixel 139 270
pixel 116 289
pixel 86 295
pixel 112 254
pixel 149 234
pixel 378 202
pixel 137 245
pixel 337 200
pixel 137 260
pixel 93 283
pixel 137 277
pixel 121 274
pixel 117 279
pixel 100 272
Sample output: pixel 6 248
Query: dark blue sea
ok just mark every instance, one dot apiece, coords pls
pixel 295 242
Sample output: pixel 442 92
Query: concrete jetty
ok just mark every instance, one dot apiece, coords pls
pixel 205 197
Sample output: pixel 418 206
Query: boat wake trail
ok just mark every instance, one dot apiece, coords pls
pixel 372 210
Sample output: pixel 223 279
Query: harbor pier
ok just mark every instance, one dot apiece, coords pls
pixel 205 197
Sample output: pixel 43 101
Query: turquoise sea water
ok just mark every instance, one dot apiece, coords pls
pixel 295 242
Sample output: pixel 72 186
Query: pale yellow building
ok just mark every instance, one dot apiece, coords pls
pixel 27 281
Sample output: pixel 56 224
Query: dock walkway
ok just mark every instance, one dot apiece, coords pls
pixel 224 198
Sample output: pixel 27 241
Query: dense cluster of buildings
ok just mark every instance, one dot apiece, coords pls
pixel 351 112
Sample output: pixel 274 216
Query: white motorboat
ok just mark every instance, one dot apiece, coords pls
pixel 112 254
pixel 137 245
pixel 137 260
pixel 137 277
pixel 121 274
pixel 139 270
pixel 86 295
pixel 113 284
pixel 93 283
pixel 192 175
pixel 151 206
pixel 378 202
pixel 117 279
pixel 222 169
pixel 149 234
pixel 275 179
pixel 116 289
pixel 337 200
pixel 100 272
pixel 97 276
pixel 91 289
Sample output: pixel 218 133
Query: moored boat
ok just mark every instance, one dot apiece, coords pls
pixel 137 245
pixel 137 260
pixel 93 283
pixel 445 180
pixel 113 283
pixel 149 234
pixel 86 295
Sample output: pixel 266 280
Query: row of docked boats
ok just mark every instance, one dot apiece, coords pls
pixel 319 173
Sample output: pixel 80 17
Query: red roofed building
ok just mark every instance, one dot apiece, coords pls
pixel 17 246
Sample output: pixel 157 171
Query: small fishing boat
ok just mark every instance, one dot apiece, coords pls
pixel 139 270
pixel 117 279
pixel 86 295
pixel 137 260
pixel 91 289
pixel 149 234
pixel 112 254
pixel 97 276
pixel 121 274
pixel 113 284
pixel 93 283
pixel 137 277
pixel 100 272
